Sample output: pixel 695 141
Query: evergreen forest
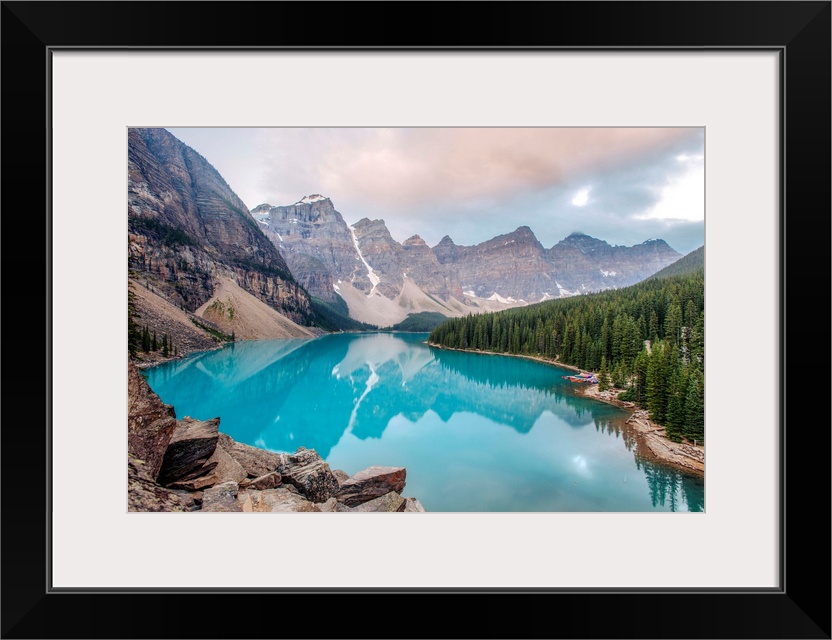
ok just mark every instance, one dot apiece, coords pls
pixel 647 340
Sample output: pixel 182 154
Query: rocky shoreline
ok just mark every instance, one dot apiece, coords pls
pixel 690 457
pixel 189 465
pixel 682 454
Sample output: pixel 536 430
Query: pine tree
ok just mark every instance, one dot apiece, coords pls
pixel 695 409
pixel 145 339
pixel 673 323
pixel 496 338
pixel 675 420
pixel 165 345
pixel 640 377
pixel 605 339
pixel 154 346
pixel 653 327
pixel 697 342
pixel 691 314
pixel 603 376
pixel 619 376
pixel 657 382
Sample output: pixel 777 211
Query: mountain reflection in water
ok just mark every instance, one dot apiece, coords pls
pixel 476 432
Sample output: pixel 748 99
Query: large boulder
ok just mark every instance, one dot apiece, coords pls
pixel 268 481
pixel 341 476
pixel 371 483
pixel 274 500
pixel 308 472
pixel 412 505
pixel 144 494
pixel 330 506
pixel 389 502
pixel 256 462
pixel 192 500
pixel 220 467
pixel 221 498
pixel 150 422
pixel 192 445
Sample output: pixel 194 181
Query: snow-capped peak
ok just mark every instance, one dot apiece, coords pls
pixel 315 197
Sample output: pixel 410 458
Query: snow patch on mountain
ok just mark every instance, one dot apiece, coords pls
pixel 315 197
pixel 374 279
pixel 565 293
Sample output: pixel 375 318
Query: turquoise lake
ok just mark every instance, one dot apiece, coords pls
pixel 477 433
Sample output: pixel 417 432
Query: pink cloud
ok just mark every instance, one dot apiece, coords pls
pixel 405 167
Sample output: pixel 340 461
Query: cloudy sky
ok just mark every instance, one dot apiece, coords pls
pixel 621 185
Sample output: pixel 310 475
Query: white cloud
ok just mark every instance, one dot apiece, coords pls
pixel 683 197
pixel 581 197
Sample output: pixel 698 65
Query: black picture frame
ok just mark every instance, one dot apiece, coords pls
pixel 799 31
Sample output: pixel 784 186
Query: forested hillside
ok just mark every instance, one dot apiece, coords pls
pixel 648 339
pixel 691 263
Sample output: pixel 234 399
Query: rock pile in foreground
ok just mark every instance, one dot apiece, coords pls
pixel 188 465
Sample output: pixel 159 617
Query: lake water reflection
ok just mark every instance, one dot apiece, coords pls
pixel 475 432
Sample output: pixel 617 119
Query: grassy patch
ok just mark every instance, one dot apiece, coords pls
pixel 215 334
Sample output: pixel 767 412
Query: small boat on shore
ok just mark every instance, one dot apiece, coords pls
pixel 586 378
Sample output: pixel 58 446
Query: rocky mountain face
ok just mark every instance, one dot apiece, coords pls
pixel 511 266
pixel 328 256
pixel 515 266
pixel 322 251
pixel 422 264
pixel 187 227
pixel 316 242
pixel 593 265
pixel 381 256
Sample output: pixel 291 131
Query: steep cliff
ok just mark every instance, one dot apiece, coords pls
pixel 316 243
pixel 583 263
pixel 422 265
pixel 187 228
pixel 510 266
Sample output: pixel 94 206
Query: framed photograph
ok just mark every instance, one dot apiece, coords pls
pixel 753 77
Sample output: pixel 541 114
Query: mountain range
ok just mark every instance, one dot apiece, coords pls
pixel 209 267
pixel 382 280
